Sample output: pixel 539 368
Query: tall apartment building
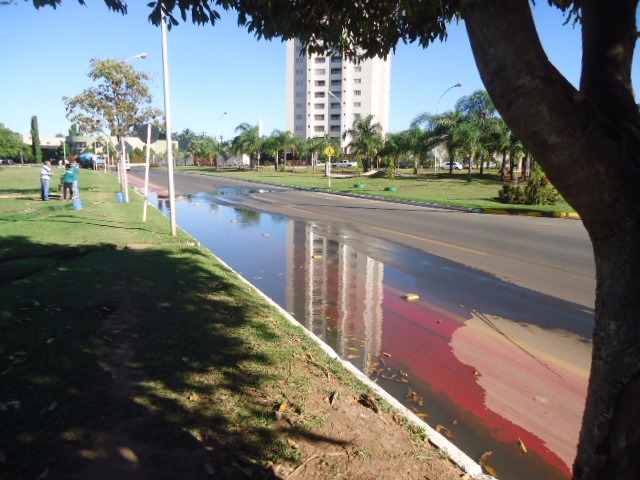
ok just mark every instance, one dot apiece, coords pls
pixel 325 94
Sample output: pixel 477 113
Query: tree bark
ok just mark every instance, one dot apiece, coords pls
pixel 588 141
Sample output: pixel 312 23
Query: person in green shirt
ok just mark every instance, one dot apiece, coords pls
pixel 67 182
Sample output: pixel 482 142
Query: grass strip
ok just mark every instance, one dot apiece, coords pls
pixel 442 189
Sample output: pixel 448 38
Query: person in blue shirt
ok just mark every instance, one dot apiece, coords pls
pixel 67 182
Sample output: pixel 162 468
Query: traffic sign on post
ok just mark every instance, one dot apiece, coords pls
pixel 330 151
pixel 146 135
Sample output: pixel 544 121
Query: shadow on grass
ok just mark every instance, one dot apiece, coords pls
pixel 152 352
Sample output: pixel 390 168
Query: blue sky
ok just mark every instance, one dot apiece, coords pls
pixel 45 54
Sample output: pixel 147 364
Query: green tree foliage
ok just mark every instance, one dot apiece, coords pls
pixel 35 140
pixel 10 143
pixel 117 104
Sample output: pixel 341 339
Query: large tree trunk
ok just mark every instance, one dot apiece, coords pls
pixel 594 134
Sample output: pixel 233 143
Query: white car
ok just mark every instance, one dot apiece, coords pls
pixel 344 163
pixel 452 166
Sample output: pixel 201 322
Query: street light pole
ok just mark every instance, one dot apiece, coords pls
pixel 331 94
pixel 219 135
pixel 167 118
pixel 435 149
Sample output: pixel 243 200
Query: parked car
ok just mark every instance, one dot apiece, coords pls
pixel 344 163
pixel 452 166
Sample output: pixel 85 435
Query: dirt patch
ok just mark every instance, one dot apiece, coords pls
pixel 328 431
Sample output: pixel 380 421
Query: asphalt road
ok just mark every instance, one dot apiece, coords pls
pixel 534 350
pixel 549 255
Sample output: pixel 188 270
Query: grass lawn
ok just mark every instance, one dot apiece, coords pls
pixel 124 349
pixel 440 189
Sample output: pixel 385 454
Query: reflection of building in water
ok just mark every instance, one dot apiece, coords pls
pixel 336 292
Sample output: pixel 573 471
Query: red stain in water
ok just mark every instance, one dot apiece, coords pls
pixel 420 338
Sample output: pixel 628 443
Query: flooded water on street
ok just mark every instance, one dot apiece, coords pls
pixel 437 355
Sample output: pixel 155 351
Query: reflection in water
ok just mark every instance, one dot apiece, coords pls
pixel 342 296
pixel 438 355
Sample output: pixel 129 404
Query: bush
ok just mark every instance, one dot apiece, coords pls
pixel 511 193
pixel 538 191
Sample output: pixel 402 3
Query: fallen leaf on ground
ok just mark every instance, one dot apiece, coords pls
pixel 445 431
pixel 411 297
pixel 369 402
pixel 523 447
pixel 485 465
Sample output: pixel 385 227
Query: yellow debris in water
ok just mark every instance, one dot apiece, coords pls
pixel 411 297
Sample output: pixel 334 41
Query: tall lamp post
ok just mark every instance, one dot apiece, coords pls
pixel 435 150
pixel 167 117
pixel 331 94
pixel 219 135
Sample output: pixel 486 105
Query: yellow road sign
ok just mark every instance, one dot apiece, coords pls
pixel 330 151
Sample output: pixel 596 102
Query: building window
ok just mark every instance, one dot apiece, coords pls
pixel 335 71
pixel 299 117
pixel 318 94
pixel 318 117
pixel 357 80
pixel 335 116
pixel 319 83
pixel 336 94
pixel 320 71
pixel 299 128
pixel 336 59
pixel 357 93
pixel 299 83
pixel 356 116
pixel 334 128
pixel 336 83
pixel 357 69
pixel 299 105
pixel 335 105
pixel 318 128
pixel 299 94
pixel 320 60
pixel 357 104
pixel 318 106
pixel 299 71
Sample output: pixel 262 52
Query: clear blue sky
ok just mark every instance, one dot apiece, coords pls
pixel 45 54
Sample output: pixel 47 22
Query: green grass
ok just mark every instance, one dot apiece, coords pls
pixel 211 357
pixel 441 189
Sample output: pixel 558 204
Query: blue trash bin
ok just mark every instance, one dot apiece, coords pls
pixel 119 197
pixel 77 203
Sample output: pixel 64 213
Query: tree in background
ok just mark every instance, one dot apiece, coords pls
pixel 74 131
pixel 35 140
pixel 366 139
pixel 248 141
pixel 586 138
pixel 10 143
pixel 118 103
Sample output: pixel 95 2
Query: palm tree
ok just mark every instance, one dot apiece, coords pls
pixel 186 140
pixel 366 138
pixel 479 111
pixel 248 141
